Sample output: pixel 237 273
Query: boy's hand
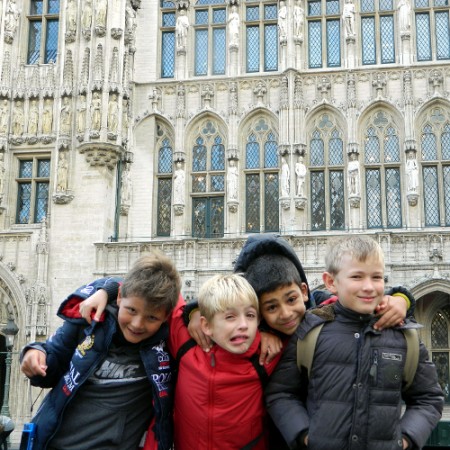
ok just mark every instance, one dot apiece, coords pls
pixel 195 330
pixel 96 302
pixel 34 363
pixel 392 311
pixel 271 345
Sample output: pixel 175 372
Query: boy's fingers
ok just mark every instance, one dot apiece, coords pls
pixel 99 312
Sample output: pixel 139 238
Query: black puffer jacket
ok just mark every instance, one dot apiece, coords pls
pixel 354 395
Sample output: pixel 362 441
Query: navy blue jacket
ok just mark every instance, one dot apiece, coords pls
pixel 75 351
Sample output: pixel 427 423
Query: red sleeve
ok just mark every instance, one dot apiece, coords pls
pixel 178 332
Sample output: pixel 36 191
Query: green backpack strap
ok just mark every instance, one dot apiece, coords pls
pixel 306 348
pixel 412 356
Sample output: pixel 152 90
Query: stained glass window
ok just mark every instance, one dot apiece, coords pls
pixel 43 26
pixel 440 348
pixel 168 42
pixel 164 181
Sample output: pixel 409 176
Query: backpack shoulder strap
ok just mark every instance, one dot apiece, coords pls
pixel 412 356
pixel 306 348
pixel 260 370
pixel 184 349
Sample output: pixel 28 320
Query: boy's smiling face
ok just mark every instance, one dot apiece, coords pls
pixel 233 329
pixel 137 320
pixel 284 308
pixel 358 284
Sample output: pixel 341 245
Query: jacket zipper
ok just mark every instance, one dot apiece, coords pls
pixel 374 368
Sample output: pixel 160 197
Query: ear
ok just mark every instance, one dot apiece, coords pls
pixel 119 297
pixel 204 325
pixel 329 281
pixel 304 291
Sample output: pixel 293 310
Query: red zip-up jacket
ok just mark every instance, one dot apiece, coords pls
pixel 218 397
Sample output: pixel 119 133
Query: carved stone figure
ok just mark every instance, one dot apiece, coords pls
pixel 86 15
pixel 412 172
pixel 181 29
pixel 353 175
pixel 285 178
pixel 113 114
pixel 300 172
pixel 179 178
pixel 96 113
pixel 47 117
pixel 232 180
pixel 18 119
pixel 233 26
pixel 71 25
pixel 33 118
pixel 66 116
pixel 404 15
pixel 2 174
pixel 298 19
pixel 63 167
pixel 130 18
pixel 81 118
pixel 4 116
pixel 348 15
pixel 282 20
pixel 125 190
pixel 100 13
pixel 11 17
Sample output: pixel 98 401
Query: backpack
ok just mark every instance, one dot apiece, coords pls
pixel 307 346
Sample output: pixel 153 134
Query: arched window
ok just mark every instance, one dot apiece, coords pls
pixel 327 176
pixel 261 179
pixel 440 348
pixel 208 181
pixel 435 154
pixel 168 20
pixel 164 180
pixel 324 33
pixel 382 173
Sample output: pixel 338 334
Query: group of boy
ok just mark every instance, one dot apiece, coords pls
pixel 349 399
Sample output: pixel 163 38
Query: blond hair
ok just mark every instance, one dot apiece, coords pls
pixel 224 291
pixel 358 247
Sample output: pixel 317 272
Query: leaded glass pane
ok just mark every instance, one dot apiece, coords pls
pixel 442 35
pixel 429 147
pixel 164 211
pixel 391 146
pixel 51 41
pixel 199 207
pixel 270 47
pixel 217 223
pixel 252 13
pixel 218 155
pixel 34 42
pixel 386 5
pixel 441 2
pixel 53 6
pixel 431 196
pixel 387 39
pixel 373 198
pixel 217 183
pixel 445 142
pixel 167 4
pixel 371 147
pixel 367 6
pixel 165 157
pixel 368 40
pixel 252 153
pixel 199 156
pixel 40 211
pixel 252 203
pixel 219 57
pixel 441 361
pixel 201 17
pixel 270 152
pixel 36 7
pixel 337 203
pixel 168 54
pixel 423 37
pixel 332 7
pixel 25 169
pixel 198 183
pixel 333 43
pixel 253 49
pixel 393 198
pixel 201 52
pixel 446 173
pixel 317 200
pixel 270 12
pixel 168 19
pixel 421 3
pixel 336 152
pixel 23 202
pixel 439 331
pixel 315 44
pixel 43 168
pixel 314 8
pixel 210 2
pixel 271 215
pixel 219 16
pixel 317 150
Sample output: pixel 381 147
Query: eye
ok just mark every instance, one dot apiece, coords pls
pixel 270 308
pixel 131 310
pixel 292 300
pixel 251 315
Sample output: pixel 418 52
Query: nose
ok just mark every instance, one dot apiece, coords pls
pixel 284 312
pixel 243 323
pixel 137 322
pixel 368 284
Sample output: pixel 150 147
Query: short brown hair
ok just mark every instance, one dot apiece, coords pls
pixel 154 278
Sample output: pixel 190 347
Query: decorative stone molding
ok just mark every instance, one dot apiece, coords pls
pixel 233 206
pixel 62 198
pixel 285 202
pixel 101 154
pixel 116 33
pixel 300 203
pixel 354 201
pixel 178 209
pixel 412 198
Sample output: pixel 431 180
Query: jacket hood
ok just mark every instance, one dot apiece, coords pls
pixel 262 244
